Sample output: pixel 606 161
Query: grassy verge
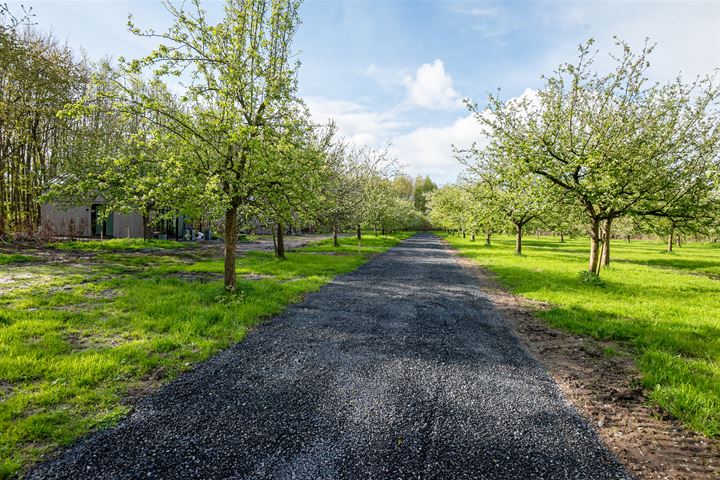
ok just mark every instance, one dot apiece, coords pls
pixel 77 343
pixel 8 258
pixel 350 245
pixel 665 306
pixel 121 244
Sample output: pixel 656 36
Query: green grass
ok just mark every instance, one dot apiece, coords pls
pixel 121 244
pixel 79 341
pixel 350 244
pixel 666 307
pixel 8 258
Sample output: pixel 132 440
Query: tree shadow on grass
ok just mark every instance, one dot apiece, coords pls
pixel 684 336
pixel 675 263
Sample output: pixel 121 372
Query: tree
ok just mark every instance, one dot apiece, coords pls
pixel 690 204
pixel 119 156
pixel 238 101
pixel 38 76
pixel 508 186
pixel 343 191
pixel 403 185
pixel 565 218
pixel 614 142
pixel 485 217
pixel 450 208
pixel 627 228
pixel 421 188
pixel 388 205
pixel 290 188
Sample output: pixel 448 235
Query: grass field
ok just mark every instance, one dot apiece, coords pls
pixel 78 341
pixel 665 306
pixel 8 258
pixel 121 244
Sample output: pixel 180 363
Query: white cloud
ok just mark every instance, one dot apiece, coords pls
pixel 529 97
pixel 429 150
pixel 490 22
pixel 420 150
pixel 479 12
pixel 432 88
pixel 355 122
pixel 426 150
pixel 387 78
pixel 371 70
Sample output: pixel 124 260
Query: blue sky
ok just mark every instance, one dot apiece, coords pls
pixel 397 70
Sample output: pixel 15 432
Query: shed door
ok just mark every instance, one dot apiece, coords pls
pixel 108 225
pixel 105 227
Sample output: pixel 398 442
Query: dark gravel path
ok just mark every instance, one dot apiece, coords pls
pixel 401 369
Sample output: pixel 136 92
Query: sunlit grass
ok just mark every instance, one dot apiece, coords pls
pixel 75 344
pixel 665 305
pixel 8 258
pixel 121 244
pixel 367 243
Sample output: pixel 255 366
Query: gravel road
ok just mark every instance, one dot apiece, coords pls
pixel 401 369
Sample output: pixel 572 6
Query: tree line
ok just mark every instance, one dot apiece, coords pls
pixel 209 125
pixel 38 77
pixel 602 153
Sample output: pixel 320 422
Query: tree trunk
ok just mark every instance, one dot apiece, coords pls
pixel 607 232
pixel 359 233
pixel 677 240
pixel 518 238
pixel 594 246
pixel 463 233
pixel 146 226
pixel 472 236
pixel 670 240
pixel 375 230
pixel 562 237
pixel 335 237
pixel 487 239
pixel 230 241
pixel 280 251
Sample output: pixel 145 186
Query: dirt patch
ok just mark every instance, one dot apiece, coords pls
pixel 265 244
pixel 62 288
pixel 147 385
pixel 604 388
pixel 65 257
pixel 203 277
pixel 255 276
pixel 75 307
pixel 85 342
pixel 107 294
pixel 6 388
pixel 139 391
pixel 335 254
pixel 14 277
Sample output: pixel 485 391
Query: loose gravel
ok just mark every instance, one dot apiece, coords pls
pixel 401 369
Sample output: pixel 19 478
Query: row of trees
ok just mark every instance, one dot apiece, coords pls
pixel 589 151
pixel 208 125
pixel 38 76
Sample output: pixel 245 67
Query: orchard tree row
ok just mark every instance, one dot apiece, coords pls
pixel 208 125
pixel 608 154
